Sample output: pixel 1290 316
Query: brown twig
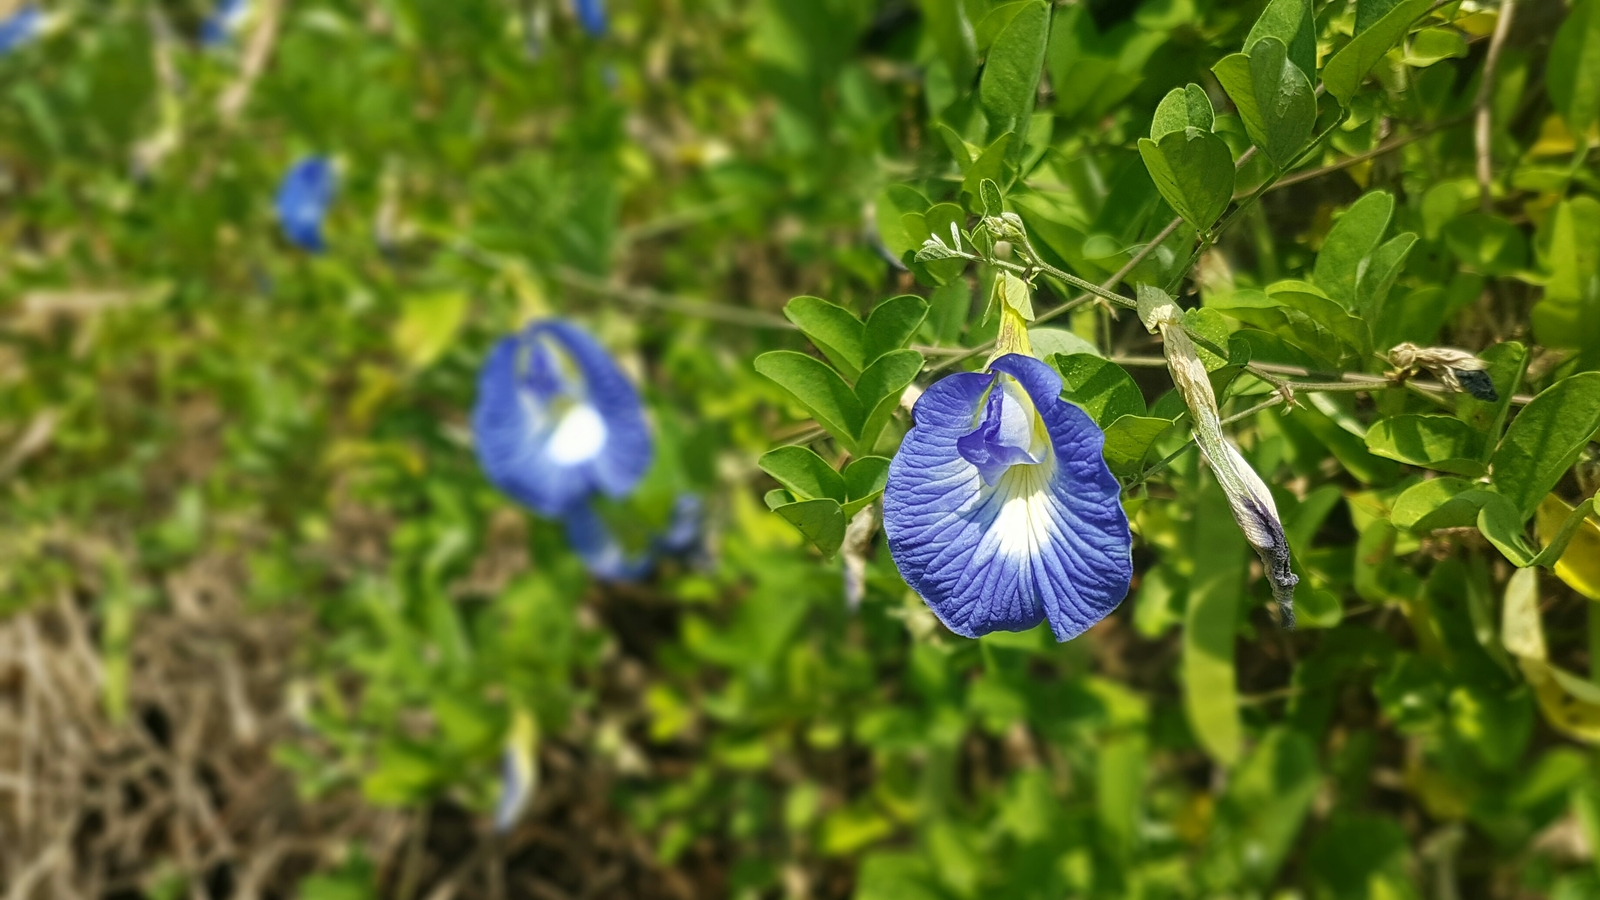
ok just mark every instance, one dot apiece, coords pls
pixel 1482 132
pixel 256 55
pixel 1379 150
pixel 700 309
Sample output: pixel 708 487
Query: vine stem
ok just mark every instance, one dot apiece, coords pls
pixel 1113 281
pixel 645 297
pixel 1482 130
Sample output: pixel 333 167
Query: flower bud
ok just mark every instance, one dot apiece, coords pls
pixel 1457 370
pixel 1248 497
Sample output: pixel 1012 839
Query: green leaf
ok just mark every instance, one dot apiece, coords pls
pixel 818 388
pixel 1505 363
pixel 1266 802
pixel 1569 314
pixel 821 521
pixel 879 391
pixel 893 204
pixel 948 311
pixel 1544 440
pixel 1119 788
pixel 923 225
pixel 864 480
pixel 833 329
pixel 1210 697
pixel 1301 315
pixel 1193 170
pixel 938 220
pixel 1487 244
pixel 890 325
pixel 1274 99
pixel 1370 12
pixel 1317 608
pixel 1437 503
pixel 1432 45
pixel 1443 443
pixel 947 23
pixel 804 473
pixel 427 325
pixel 1185 107
pixel 1382 268
pixel 989 25
pixel 1346 69
pixel 1101 387
pixel 1350 242
pixel 1050 341
pixel 1573 73
pixel 1350 450
pixel 845 340
pixel 777 497
pixel 406 773
pixel 1289 21
pixel 1012 69
pixel 990 166
pixel 1503 524
pixel 1128 442
pixel 1211 336
pixel 990 198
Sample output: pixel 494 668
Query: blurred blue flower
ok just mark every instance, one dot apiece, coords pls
pixel 1000 511
pixel 592 16
pixel 556 421
pixel 20 27
pixel 303 200
pixel 604 556
pixel 224 21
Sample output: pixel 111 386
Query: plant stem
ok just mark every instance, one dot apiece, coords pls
pixel 1482 130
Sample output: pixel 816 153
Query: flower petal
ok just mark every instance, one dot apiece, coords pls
pixel 551 462
pixel 1044 542
pixel 601 552
pixel 622 461
pixel 303 200
pixel 20 27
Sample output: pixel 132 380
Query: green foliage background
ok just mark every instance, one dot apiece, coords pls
pixel 179 388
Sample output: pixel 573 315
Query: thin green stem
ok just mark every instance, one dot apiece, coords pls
pixel 1211 237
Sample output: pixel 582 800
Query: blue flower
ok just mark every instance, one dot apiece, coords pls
pixel 605 557
pixel 224 20
pixel 1000 511
pixel 20 27
pixel 592 16
pixel 303 200
pixel 556 421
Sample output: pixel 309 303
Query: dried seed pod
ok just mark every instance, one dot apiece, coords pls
pixel 1457 370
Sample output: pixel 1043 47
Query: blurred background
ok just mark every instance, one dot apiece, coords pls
pixel 266 631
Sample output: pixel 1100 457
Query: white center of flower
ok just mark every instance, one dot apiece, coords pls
pixel 1026 519
pixel 578 436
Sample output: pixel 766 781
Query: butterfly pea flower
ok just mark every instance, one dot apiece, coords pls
pixel 592 16
pixel 607 559
pixel 303 200
pixel 226 18
pixel 1001 512
pixel 20 27
pixel 556 421
pixel 1248 497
